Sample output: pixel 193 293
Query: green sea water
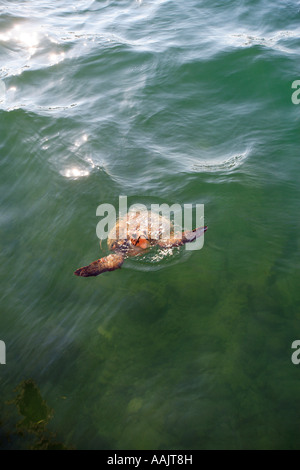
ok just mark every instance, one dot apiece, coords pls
pixel 164 102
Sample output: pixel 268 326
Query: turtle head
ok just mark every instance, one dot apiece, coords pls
pixel 132 245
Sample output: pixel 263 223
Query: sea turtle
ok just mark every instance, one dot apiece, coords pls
pixel 132 235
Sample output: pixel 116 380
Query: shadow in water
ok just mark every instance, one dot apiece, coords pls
pixel 31 432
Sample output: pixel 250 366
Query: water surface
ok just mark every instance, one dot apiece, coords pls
pixel 162 101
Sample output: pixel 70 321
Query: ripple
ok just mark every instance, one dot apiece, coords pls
pixel 156 260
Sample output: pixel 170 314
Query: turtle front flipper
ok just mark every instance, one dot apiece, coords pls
pixel 102 265
pixel 187 237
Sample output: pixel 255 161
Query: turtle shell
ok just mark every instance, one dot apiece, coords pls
pixel 137 231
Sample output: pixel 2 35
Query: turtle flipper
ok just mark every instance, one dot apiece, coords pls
pixel 196 233
pixel 108 263
pixel 187 237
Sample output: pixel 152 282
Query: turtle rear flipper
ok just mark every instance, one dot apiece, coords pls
pixel 109 263
pixel 187 237
pixel 196 233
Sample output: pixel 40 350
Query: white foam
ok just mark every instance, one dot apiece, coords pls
pixel 270 41
pixel 226 164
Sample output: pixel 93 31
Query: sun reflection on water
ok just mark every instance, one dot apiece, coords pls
pixel 24 37
pixel 56 58
pixel 74 173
